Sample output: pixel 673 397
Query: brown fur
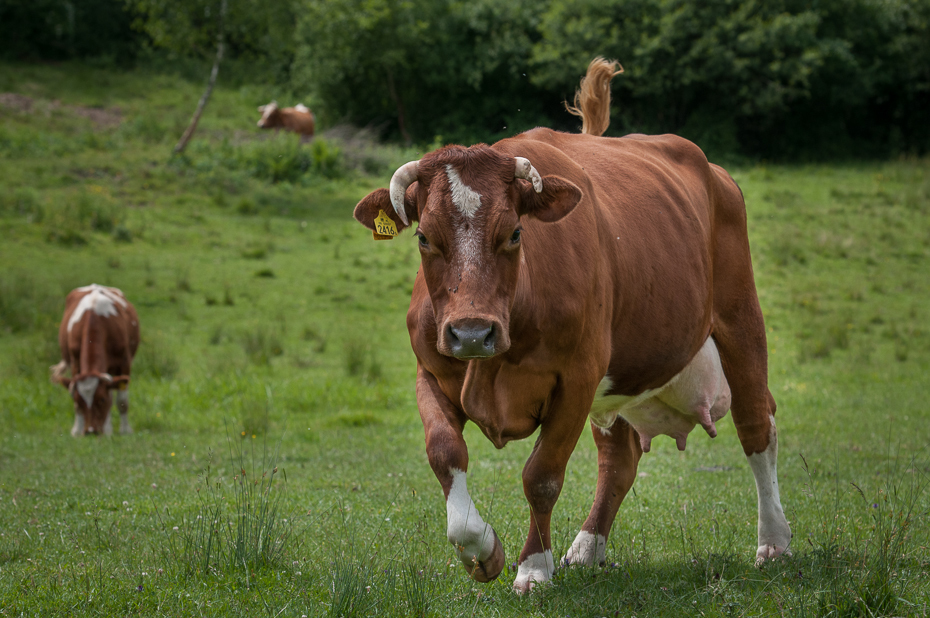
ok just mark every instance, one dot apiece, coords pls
pixel 288 119
pixel 98 346
pixel 634 253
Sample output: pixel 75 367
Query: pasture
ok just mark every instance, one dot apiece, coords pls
pixel 277 466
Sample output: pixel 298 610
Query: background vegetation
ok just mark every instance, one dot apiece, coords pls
pixel 277 466
pixel 783 80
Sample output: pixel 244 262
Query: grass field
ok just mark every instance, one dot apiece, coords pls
pixel 273 394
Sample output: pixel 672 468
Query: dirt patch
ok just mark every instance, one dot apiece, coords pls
pixel 101 118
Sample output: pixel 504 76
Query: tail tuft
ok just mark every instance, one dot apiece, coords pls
pixel 592 99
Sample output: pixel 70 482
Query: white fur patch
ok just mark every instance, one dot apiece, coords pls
pixel 587 549
pixel 100 299
pixel 300 107
pixel 698 394
pixel 466 199
pixel 86 388
pixel 267 111
pixel 465 529
pixel 536 569
pixel 774 532
pixel 122 397
pixel 78 429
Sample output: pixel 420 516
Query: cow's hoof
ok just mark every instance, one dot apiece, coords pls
pixel 770 552
pixel 535 570
pixel 586 550
pixel 486 570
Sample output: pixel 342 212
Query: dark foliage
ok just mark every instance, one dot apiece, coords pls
pixel 61 30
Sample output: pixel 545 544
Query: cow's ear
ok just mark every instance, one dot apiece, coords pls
pixel 376 202
pixel 558 198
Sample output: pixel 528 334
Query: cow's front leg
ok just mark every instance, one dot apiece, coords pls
pixel 542 483
pixel 122 403
pixel 475 542
pixel 618 454
pixel 77 430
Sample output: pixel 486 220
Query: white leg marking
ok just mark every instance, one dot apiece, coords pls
pixel 536 569
pixel 774 532
pixel 122 402
pixel 471 537
pixel 587 549
pixel 78 429
pixel 108 425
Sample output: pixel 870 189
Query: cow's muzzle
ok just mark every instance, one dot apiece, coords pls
pixel 472 339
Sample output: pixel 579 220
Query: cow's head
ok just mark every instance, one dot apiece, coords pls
pixel 270 116
pixel 92 398
pixel 468 204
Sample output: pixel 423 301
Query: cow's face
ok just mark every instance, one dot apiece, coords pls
pixel 93 399
pixel 468 205
pixel 271 116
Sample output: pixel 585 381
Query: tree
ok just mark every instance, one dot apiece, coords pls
pixel 200 28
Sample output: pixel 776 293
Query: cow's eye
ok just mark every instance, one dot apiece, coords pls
pixel 515 237
pixel 420 237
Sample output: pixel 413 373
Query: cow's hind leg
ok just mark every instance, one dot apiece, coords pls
pixel 122 403
pixel 618 453
pixel 739 330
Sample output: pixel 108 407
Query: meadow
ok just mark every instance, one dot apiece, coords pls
pixel 277 466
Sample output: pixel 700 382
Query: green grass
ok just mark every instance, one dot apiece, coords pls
pixel 310 371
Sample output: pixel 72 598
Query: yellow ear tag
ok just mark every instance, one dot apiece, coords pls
pixel 123 386
pixel 384 227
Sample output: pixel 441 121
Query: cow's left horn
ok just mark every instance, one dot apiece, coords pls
pixel 405 176
pixel 524 169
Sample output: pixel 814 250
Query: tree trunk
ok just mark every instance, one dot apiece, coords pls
pixel 401 122
pixel 189 133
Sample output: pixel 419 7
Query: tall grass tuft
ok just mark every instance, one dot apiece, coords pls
pixel 261 345
pixel 236 525
pixel 257 535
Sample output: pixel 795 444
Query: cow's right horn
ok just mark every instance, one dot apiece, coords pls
pixel 525 170
pixel 405 176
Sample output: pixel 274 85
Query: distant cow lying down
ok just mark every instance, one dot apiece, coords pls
pixel 98 337
pixel 298 119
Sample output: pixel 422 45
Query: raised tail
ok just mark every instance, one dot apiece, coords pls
pixel 592 99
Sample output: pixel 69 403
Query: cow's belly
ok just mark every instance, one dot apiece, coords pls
pixel 698 395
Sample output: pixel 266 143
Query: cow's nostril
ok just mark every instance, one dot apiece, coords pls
pixel 471 341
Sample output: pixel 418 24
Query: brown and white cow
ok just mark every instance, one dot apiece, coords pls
pixel 98 337
pixel 298 119
pixel 573 278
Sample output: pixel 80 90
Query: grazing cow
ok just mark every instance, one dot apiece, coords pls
pixel 571 277
pixel 298 119
pixel 98 337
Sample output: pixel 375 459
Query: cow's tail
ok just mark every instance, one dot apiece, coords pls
pixel 592 99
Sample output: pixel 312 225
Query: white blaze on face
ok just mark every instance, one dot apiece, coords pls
pixel 468 238
pixel 465 529
pixel 86 389
pixel 267 111
pixel 99 299
pixel 300 107
pixel 774 532
pixel 466 199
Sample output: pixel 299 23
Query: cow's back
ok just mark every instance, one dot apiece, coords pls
pixel 648 209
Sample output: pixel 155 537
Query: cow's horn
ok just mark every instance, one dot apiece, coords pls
pixel 524 169
pixel 404 177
